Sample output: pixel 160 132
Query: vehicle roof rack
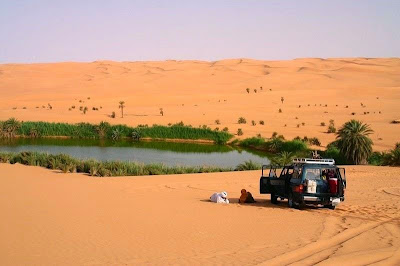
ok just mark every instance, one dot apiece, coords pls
pixel 314 161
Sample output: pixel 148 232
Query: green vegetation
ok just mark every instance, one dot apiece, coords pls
pixel 391 158
pixel 12 127
pixel 67 164
pixel 248 165
pixel 276 145
pixel 9 128
pixel 283 158
pixel 353 141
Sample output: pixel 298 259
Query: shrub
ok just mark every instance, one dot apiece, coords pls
pixel 280 110
pixel 217 122
pixel 261 122
pixel 333 152
pixel 331 127
pixel 322 124
pixel 239 132
pixel 392 158
pixel 248 165
pixel 252 142
pixel 112 115
pixel 314 141
pixel 253 123
pixel 242 120
pixel 248 90
pixel 225 129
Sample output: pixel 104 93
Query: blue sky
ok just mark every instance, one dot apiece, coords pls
pixel 50 31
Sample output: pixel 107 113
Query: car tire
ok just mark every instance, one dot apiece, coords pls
pixel 290 201
pixel 330 206
pixel 274 198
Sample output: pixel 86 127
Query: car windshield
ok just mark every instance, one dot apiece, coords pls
pixel 313 174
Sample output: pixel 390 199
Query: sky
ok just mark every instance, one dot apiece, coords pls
pixel 130 30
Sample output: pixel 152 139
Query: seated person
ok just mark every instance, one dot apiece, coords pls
pixel 331 173
pixel 246 197
pixel 220 197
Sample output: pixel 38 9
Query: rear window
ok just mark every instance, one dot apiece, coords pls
pixel 313 174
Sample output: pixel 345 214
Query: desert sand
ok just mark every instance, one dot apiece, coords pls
pixel 199 92
pixel 51 218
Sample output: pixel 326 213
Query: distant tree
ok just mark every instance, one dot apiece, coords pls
pixel 85 110
pixel 255 90
pixel 112 115
pixel 253 122
pixel 261 122
pixel 239 132
pixel 161 112
pixel 248 90
pixel 282 99
pixel 122 106
pixel 217 122
pixel 280 110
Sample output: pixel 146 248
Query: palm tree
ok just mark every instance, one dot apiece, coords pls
pixel 283 158
pixel 121 106
pixel 102 129
pixel 354 142
pixel 392 158
pixel 10 127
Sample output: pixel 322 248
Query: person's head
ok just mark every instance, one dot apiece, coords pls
pixel 243 191
pixel 224 194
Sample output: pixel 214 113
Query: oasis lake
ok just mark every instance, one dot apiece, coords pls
pixel 147 152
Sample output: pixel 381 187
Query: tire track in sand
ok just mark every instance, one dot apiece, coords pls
pixel 320 246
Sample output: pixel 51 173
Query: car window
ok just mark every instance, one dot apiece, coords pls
pixel 296 172
pixel 313 174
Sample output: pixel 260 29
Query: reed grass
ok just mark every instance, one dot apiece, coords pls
pixel 105 130
pixel 68 164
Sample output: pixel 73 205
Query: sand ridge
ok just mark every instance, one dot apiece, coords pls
pixel 53 218
pixel 200 92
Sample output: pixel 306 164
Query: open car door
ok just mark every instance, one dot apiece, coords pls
pixel 341 173
pixel 265 180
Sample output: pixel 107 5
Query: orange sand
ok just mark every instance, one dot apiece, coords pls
pixel 51 218
pixel 199 92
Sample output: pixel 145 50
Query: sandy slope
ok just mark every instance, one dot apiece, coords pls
pixel 51 218
pixel 199 92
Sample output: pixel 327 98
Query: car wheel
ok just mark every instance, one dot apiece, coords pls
pixel 290 201
pixel 330 206
pixel 274 198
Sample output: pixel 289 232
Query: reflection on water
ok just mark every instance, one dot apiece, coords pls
pixel 169 153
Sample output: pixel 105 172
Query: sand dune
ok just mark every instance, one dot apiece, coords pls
pixel 51 218
pixel 199 92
